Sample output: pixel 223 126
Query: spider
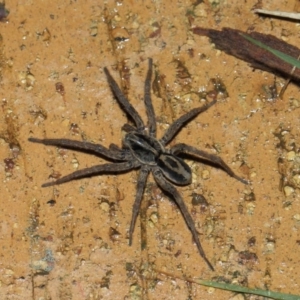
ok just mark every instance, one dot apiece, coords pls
pixel 141 149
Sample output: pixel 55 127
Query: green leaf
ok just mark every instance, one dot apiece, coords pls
pixel 241 289
pixel 285 57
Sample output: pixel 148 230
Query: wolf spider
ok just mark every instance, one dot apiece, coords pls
pixel 141 149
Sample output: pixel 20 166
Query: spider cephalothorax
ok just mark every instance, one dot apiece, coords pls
pixel 141 149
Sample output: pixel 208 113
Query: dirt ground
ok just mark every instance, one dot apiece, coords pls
pixel 71 241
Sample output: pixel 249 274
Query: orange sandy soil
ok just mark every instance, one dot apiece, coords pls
pixel 71 241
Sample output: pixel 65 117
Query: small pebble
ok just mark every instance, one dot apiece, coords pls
pixel 291 155
pixel 288 190
pixel 104 206
pixel 297 217
pixel 205 174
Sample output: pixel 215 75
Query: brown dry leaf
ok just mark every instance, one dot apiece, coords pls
pixel 232 42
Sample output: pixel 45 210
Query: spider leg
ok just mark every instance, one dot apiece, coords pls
pixel 177 124
pixel 148 102
pixel 126 154
pixel 138 199
pixel 169 188
pixel 98 149
pixel 123 101
pixel 95 170
pixel 128 128
pixel 183 148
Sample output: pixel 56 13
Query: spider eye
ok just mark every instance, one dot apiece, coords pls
pixel 175 169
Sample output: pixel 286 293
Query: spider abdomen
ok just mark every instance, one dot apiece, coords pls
pixel 175 169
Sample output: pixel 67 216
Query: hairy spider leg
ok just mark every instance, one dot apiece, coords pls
pixel 181 121
pixel 183 148
pixel 143 175
pixel 128 128
pixel 95 170
pixel 169 188
pixel 99 150
pixel 148 102
pixel 124 103
pixel 125 153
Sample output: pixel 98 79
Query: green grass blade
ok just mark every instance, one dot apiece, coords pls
pixel 241 289
pixel 285 57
